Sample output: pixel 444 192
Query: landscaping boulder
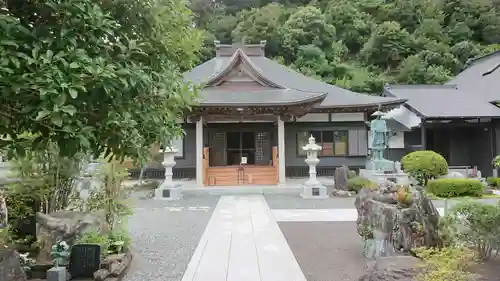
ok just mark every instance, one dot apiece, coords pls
pixel 10 266
pixel 394 268
pixel 340 177
pixel 66 226
pixel 114 267
pixel 400 217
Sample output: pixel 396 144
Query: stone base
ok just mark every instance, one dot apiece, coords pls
pixel 56 274
pixel 169 192
pixel 378 176
pixel 314 192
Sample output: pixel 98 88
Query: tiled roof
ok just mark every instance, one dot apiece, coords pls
pixel 287 78
pixel 443 101
pixel 481 77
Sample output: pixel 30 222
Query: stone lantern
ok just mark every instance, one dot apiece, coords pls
pixel 312 188
pixel 168 190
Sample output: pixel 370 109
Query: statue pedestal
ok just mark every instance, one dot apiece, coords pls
pixel 56 274
pixel 314 192
pixel 391 171
pixel 169 190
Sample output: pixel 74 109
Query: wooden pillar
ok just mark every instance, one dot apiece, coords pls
pixel 281 151
pixel 199 151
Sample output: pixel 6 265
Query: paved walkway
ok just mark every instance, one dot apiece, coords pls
pixel 243 242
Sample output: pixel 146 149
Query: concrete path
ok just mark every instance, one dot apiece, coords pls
pixel 243 242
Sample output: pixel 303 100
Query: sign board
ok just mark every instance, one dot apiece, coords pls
pixel 243 161
pixel 84 260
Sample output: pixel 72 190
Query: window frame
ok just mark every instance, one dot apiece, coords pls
pixel 302 153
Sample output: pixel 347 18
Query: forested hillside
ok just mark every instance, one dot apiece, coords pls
pixel 359 44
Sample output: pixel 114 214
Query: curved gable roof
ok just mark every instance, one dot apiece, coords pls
pixel 278 76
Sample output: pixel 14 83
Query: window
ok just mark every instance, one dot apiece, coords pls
pixel 333 143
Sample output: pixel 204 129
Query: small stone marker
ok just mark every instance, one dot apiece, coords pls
pixel 341 176
pixel 85 259
pixel 56 274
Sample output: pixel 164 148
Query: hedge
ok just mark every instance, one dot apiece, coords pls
pixel 424 165
pixel 357 183
pixel 451 187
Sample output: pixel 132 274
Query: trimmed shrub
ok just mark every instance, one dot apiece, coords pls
pixel 493 181
pixel 455 187
pixel 424 165
pixel 357 183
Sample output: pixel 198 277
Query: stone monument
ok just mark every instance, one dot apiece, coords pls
pixel 312 188
pixel 169 190
pixel 378 168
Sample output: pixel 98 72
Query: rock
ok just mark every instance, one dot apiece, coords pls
pixel 340 177
pixel 488 191
pixel 3 210
pixel 101 275
pixel 341 193
pixel 10 266
pixel 65 225
pixel 387 186
pixel 118 269
pixel 404 226
pixel 110 260
pixel 400 268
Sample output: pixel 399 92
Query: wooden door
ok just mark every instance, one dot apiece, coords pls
pixel 217 144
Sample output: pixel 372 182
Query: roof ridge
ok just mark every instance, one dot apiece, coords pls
pixel 493 69
pixel 240 54
pixel 472 61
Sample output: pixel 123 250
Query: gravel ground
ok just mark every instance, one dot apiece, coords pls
pixel 165 235
pixel 326 251
pixel 291 201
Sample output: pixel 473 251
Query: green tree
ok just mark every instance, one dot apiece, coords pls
pixel 221 25
pixel 388 45
pixel 307 26
pixel 262 24
pixel 104 77
pixel 414 70
pixel 352 25
pixel 311 61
